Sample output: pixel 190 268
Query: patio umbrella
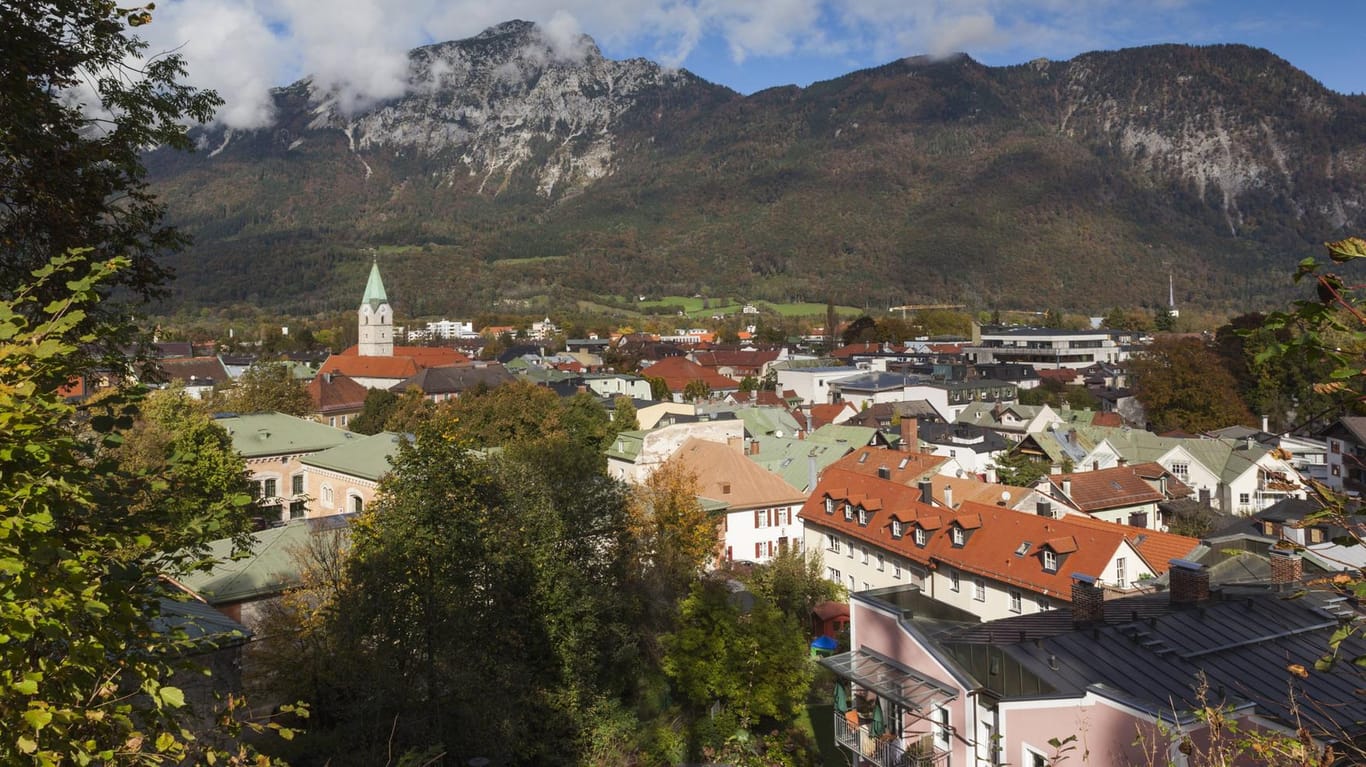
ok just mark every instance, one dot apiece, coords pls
pixel 841 699
pixel 824 642
pixel 879 726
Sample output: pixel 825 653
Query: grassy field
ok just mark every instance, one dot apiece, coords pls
pixel 694 307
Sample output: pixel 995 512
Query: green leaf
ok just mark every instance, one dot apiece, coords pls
pixel 26 744
pixel 26 687
pixel 172 696
pixel 165 741
pixel 37 718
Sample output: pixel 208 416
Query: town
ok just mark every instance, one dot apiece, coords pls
pixel 1006 575
pixel 398 385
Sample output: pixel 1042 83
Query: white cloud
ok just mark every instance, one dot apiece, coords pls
pixel 359 47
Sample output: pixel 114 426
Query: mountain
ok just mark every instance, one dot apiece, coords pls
pixel 515 168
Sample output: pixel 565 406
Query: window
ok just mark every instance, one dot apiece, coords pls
pixel 829 505
pixel 1044 604
pixel 833 574
pixel 296 484
pixel 268 488
pixel 1015 601
pixel 863 518
pixel 1244 499
pixel 328 499
pixel 1034 758
pixel 863 551
pixel 1316 535
pixel 851 583
pixel 357 504
pixel 881 561
pixel 921 537
pixel 958 536
pixel 979 590
pixel 896 528
pixel 896 569
pixel 1121 576
pixel 758 549
pixel 848 512
pixel 1050 561
pixel 760 519
pixel 849 550
pixel 1181 470
pixel 1334 446
pixel 954 583
pixel 297 509
pixel 832 544
pixel 941 728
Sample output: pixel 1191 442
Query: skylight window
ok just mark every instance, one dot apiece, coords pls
pixel 903 463
pixel 863 457
pixel 1022 549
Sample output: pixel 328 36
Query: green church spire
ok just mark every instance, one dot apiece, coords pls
pixel 374 288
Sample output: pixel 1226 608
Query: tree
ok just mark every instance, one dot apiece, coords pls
pixel 659 389
pixel 86 664
pixel 675 535
pixel 268 387
pixel 374 413
pixel 478 612
pixel 78 108
pixel 753 663
pixel 795 582
pixel 1019 470
pixel 410 411
pixel 175 437
pixel 1184 386
pixel 695 390
pixel 624 415
pixel 1164 321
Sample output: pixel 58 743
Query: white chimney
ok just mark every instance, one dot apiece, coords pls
pixel 948 496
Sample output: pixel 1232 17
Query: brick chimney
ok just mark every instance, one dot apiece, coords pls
pixel 1287 567
pixel 1088 601
pixel 754 447
pixel 1189 582
pixel 910 435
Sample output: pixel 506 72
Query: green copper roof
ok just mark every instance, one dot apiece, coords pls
pixel 374 288
pixel 261 434
pixel 268 567
pixel 368 457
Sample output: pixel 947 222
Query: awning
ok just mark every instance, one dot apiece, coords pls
pixel 890 680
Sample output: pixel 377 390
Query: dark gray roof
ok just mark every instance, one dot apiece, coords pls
pixel 454 379
pixel 963 435
pixel 1152 654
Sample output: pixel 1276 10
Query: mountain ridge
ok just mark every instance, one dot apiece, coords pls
pixel 527 170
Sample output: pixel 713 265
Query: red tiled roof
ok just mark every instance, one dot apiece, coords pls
pixel 336 392
pixel 1113 420
pixel 1061 375
pixel 845 352
pixel 397 368
pixel 1117 487
pixel 199 369
pixel 748 359
pixel 424 356
pixel 677 372
pixel 994 545
pixel 867 460
pixel 825 414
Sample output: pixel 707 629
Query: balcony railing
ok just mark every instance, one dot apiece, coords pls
pixel 918 750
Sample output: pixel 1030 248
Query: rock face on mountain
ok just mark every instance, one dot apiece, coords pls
pixel 517 166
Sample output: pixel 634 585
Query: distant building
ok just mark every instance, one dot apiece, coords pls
pixel 1045 348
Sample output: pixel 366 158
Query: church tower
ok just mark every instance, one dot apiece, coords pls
pixel 376 319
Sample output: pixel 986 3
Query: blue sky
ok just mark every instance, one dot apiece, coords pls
pixel 242 48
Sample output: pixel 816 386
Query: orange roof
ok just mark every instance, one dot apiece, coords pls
pixel 825 414
pixel 424 356
pixel 1116 487
pixel 677 372
pixel 725 474
pixel 905 468
pixel 994 546
pixel 1107 419
pixel 397 368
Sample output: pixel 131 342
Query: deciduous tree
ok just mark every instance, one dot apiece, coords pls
pixel 268 387
pixel 1184 386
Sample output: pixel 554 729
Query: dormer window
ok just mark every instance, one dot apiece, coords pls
pixel 896 528
pixel 957 535
pixel 863 517
pixel 848 512
pixel 1050 561
pixel 829 505
pixel 921 537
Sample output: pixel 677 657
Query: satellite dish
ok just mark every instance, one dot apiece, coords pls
pixel 1005 496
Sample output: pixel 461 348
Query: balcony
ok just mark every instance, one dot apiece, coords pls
pixel 915 750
